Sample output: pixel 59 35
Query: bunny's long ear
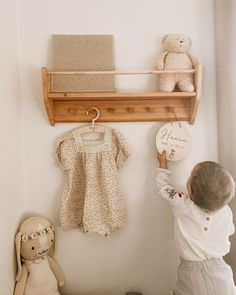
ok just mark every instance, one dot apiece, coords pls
pixel 52 249
pixel 18 243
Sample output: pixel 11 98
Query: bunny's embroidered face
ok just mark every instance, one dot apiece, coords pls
pixel 36 238
pixel 176 43
pixel 33 241
pixel 36 244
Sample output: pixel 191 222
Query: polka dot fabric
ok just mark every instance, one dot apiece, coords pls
pixel 92 198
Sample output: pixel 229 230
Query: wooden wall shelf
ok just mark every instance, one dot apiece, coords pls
pixel 119 106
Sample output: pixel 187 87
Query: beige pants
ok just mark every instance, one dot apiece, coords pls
pixel 208 277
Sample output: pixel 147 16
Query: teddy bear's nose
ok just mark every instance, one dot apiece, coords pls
pixel 181 41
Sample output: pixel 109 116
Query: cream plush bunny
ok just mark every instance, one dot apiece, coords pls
pixel 176 57
pixel 38 273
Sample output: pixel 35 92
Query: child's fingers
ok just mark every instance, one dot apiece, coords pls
pixel 159 155
pixel 162 155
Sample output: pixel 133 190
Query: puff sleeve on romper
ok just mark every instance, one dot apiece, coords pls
pixel 92 198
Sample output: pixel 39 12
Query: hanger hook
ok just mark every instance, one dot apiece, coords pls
pixel 97 116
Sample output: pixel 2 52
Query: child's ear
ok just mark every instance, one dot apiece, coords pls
pixel 189 188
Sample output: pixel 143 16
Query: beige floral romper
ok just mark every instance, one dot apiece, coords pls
pixel 92 199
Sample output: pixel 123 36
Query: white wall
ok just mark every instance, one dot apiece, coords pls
pixel 142 255
pixel 11 184
pixel 225 14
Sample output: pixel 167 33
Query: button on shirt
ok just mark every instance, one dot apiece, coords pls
pixel 199 235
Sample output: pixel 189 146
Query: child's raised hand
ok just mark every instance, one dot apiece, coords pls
pixel 162 160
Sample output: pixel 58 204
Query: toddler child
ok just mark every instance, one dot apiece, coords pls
pixel 203 224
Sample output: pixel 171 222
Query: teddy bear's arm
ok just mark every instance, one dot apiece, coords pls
pixel 195 61
pixel 20 285
pixel 57 271
pixel 160 62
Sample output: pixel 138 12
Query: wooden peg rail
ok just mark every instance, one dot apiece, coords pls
pixel 120 106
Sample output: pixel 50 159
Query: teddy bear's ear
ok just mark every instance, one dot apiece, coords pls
pixel 18 243
pixel 190 41
pixel 164 38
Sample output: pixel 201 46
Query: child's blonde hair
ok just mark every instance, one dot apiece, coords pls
pixel 212 186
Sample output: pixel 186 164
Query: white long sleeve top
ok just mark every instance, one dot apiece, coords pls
pixel 199 235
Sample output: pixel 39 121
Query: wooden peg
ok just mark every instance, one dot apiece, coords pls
pixel 72 111
pixel 130 110
pixel 110 110
pixel 149 110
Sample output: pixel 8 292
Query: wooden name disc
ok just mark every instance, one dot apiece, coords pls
pixel 175 140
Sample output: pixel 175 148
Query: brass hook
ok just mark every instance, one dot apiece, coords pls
pixel 97 116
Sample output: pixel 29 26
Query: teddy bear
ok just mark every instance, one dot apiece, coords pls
pixel 176 57
pixel 38 273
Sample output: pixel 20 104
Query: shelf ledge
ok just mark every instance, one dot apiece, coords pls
pixel 122 106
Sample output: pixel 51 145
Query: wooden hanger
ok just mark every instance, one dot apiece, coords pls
pixel 92 127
